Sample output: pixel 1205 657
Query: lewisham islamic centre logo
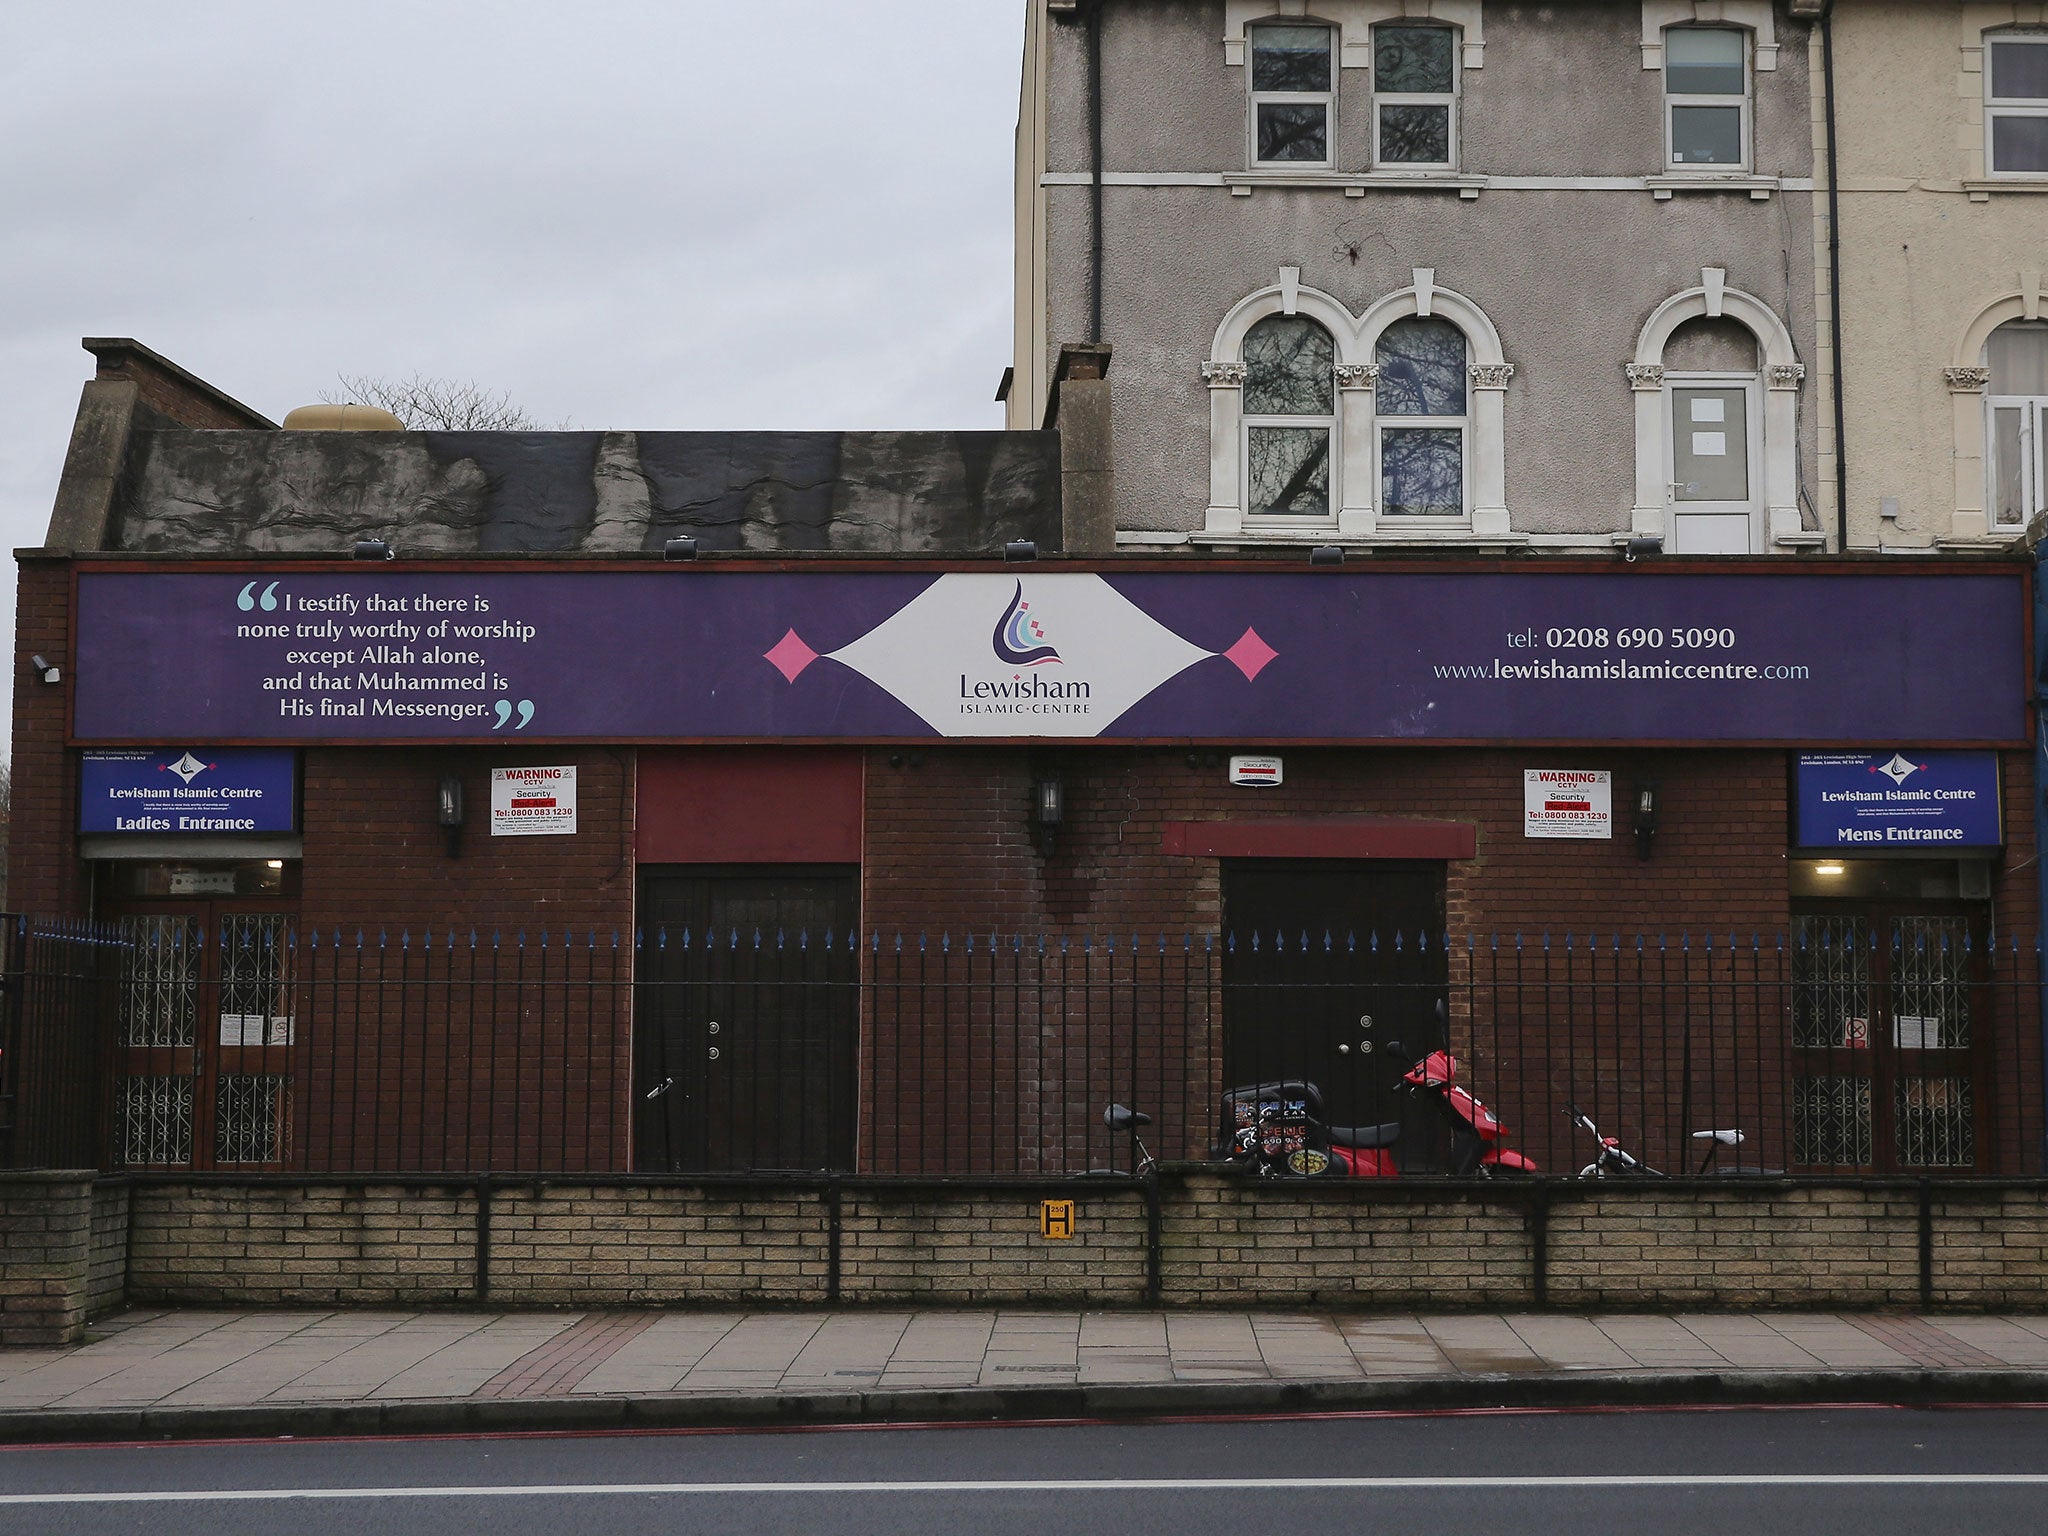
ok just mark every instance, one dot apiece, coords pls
pixel 928 655
pixel 1019 638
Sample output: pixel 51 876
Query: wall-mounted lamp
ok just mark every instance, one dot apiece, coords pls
pixel 372 549
pixel 46 669
pixel 1831 869
pixel 1048 810
pixel 448 813
pixel 1326 554
pixel 1646 816
pixel 682 548
pixel 1640 544
pixel 1020 549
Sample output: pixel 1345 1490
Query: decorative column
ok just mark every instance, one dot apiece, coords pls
pixel 1489 448
pixel 1966 389
pixel 1226 439
pixel 1356 383
pixel 1781 449
pixel 1652 509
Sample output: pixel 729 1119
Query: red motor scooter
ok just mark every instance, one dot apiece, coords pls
pixel 1277 1129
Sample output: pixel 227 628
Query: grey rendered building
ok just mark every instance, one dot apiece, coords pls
pixel 1455 273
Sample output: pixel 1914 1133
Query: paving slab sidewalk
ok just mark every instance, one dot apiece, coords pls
pixel 194 1372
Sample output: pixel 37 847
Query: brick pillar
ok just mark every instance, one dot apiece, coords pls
pixel 45 1256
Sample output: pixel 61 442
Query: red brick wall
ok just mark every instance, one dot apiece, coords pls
pixel 949 846
pixel 177 398
pixel 510 1049
pixel 44 876
pixel 949 851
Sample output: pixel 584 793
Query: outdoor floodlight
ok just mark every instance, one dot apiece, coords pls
pixel 448 812
pixel 46 669
pixel 1020 549
pixel 1646 816
pixel 1326 554
pixel 372 549
pixel 680 548
pixel 1048 810
pixel 1640 544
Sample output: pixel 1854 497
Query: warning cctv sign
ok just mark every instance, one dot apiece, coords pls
pixel 1563 802
pixel 533 802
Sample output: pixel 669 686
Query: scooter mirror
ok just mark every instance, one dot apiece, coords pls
pixel 1440 1011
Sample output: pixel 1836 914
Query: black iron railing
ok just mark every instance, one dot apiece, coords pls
pixel 59 986
pixel 1842 1046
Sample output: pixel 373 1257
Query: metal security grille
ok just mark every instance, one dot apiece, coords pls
pixel 1831 1121
pixel 1831 982
pixel 255 979
pixel 1935 1126
pixel 1930 984
pixel 160 980
pixel 252 1118
pixel 153 1120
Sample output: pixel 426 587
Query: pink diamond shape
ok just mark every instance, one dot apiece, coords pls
pixel 1250 654
pixel 790 655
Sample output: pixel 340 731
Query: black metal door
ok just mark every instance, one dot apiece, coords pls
pixel 748 1019
pixel 1331 973
pixel 1890 1036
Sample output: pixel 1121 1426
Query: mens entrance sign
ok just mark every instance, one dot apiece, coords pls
pixel 1902 801
pixel 698 653
pixel 201 791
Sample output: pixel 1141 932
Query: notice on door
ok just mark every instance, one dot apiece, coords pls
pixel 1563 802
pixel 533 802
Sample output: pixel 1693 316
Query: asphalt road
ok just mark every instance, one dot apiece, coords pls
pixel 1866 1472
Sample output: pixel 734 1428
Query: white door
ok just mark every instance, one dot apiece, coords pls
pixel 1715 506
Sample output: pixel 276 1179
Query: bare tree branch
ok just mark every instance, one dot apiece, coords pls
pixel 438 405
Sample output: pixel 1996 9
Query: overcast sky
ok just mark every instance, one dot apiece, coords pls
pixel 684 214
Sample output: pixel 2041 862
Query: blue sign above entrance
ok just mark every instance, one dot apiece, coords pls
pixel 189 790
pixel 1902 801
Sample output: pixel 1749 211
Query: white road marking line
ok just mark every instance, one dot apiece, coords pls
pixel 1049 1485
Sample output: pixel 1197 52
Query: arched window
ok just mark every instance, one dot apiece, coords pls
pixel 1422 419
pixel 1383 426
pixel 1717 425
pixel 2016 358
pixel 1290 417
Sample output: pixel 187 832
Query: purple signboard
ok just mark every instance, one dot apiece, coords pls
pixel 1892 802
pixel 344 653
pixel 187 790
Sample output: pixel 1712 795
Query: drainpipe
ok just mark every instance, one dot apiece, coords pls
pixel 1095 170
pixel 2040 703
pixel 1827 76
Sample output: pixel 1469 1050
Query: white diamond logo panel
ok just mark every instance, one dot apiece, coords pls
pixel 187 767
pixel 1898 770
pixel 1004 655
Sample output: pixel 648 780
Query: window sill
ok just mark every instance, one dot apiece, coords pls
pixel 1357 184
pixel 1981 188
pixel 1274 538
pixel 1759 188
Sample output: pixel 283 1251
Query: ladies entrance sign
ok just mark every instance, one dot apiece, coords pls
pixel 346 654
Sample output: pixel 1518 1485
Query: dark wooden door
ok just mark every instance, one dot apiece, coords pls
pixel 748 1019
pixel 207 1044
pixel 1331 973
pixel 1890 1029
